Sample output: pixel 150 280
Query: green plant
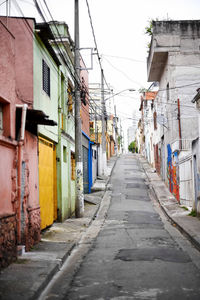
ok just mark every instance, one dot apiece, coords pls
pixel 184 207
pixel 193 213
pixel 119 140
pixel 133 147
pixel 149 28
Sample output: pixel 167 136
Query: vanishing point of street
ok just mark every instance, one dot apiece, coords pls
pixel 137 253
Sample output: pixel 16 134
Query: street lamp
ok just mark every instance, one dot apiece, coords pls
pixel 130 90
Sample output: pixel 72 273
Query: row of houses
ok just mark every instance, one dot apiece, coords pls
pixel 168 130
pixel 37 131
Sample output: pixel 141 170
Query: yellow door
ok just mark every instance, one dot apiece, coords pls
pixel 54 184
pixel 47 182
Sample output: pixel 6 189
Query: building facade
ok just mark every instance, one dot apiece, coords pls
pixel 173 53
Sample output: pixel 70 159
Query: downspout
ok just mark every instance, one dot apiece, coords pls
pixel 19 168
pixel 179 126
pixel 58 155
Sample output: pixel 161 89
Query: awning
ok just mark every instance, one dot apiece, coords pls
pixel 46 36
pixel 34 117
pixel 38 117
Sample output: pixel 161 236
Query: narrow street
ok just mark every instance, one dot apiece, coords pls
pixel 137 254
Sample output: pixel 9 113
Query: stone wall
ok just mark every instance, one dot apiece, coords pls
pixel 8 242
pixel 33 236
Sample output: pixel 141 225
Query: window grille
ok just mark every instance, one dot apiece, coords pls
pixel 46 77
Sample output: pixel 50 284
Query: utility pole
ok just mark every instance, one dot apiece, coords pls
pixel 79 203
pixel 95 125
pixel 116 130
pixel 103 136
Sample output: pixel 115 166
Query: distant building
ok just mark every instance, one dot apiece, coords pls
pixel 131 134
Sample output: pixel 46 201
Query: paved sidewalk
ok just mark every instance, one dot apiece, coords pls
pixel 188 225
pixel 32 272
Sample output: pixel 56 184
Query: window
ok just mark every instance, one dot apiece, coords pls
pixel 155 120
pixel 70 100
pixel 46 78
pixel 5 123
pixel 64 154
pixel 73 166
pixel 1 119
pixel 168 92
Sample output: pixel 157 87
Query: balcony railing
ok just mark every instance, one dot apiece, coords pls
pixel 182 145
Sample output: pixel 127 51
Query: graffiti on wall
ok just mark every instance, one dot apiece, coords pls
pixel 172 172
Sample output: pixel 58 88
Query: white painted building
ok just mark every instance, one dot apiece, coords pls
pixel 173 61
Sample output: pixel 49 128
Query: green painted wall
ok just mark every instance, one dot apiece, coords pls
pixel 41 100
pixel 56 107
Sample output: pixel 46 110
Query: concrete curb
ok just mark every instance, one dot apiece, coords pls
pixel 184 231
pixel 37 268
pixel 74 245
pixel 182 228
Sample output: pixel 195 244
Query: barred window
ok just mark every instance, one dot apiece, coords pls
pixel 1 118
pixel 46 78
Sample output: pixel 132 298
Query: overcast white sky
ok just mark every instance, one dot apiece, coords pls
pixel 119 27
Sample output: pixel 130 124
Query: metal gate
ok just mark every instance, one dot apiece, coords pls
pixel 47 183
pixel 85 170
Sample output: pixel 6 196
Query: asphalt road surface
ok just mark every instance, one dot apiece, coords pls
pixel 137 253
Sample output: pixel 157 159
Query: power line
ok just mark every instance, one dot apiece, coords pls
pixel 126 58
pixel 95 41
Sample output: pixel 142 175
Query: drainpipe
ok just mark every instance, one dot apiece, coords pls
pixel 19 168
pixel 179 125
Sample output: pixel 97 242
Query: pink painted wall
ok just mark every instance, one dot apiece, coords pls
pixel 31 158
pixel 23 57
pixel 7 179
pixel 7 78
pixel 7 99
pixel 24 93
pixel 16 86
pixel 85 108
